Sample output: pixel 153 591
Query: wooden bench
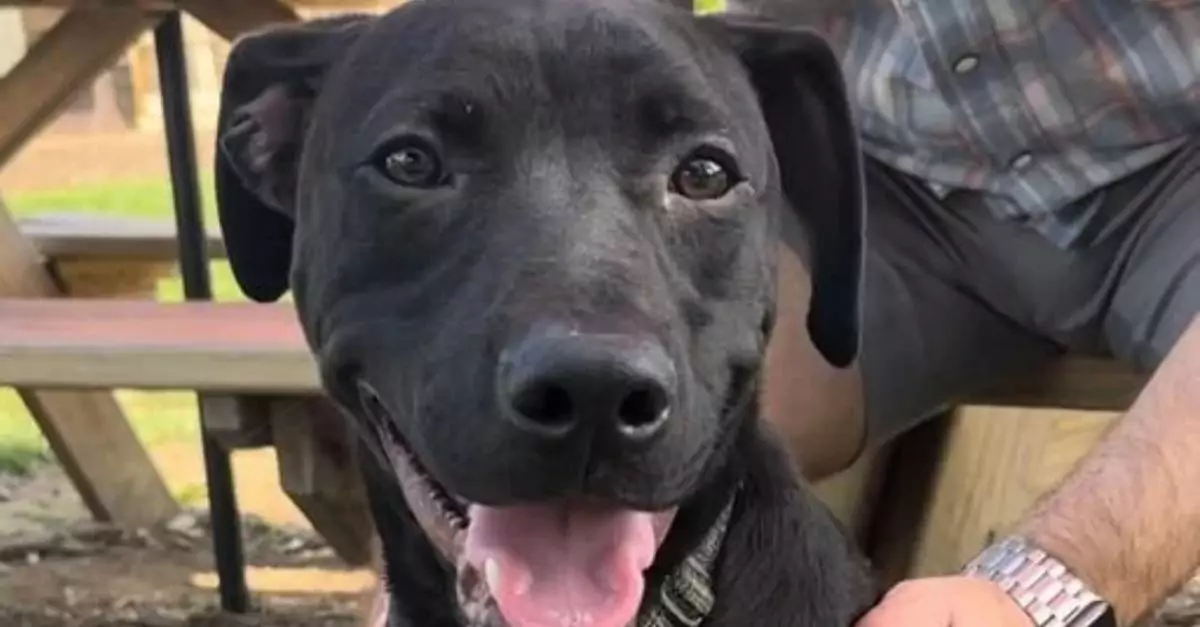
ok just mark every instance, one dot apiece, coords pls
pixel 1066 396
pixel 86 429
pixel 86 235
pixel 100 256
pixel 247 374
pixel 250 363
pixel 929 501
pixel 206 347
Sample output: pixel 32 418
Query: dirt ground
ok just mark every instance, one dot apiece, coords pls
pixel 57 569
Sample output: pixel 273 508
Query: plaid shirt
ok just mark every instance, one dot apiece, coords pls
pixel 1035 104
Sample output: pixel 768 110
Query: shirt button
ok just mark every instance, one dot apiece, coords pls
pixel 1021 161
pixel 966 63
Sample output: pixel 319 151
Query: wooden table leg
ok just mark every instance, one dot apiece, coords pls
pixel 853 493
pixel 233 18
pixel 318 471
pixel 81 45
pixel 965 479
pixel 86 430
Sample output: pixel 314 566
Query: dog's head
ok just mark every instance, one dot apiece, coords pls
pixel 532 246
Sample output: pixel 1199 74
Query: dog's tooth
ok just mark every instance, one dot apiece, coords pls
pixel 491 574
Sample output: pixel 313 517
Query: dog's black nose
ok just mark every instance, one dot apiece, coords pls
pixel 552 383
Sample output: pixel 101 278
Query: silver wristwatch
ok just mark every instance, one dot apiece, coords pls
pixel 1041 585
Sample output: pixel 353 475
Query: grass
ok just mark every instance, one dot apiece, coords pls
pixel 156 417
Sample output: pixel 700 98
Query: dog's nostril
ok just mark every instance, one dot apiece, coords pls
pixel 546 404
pixel 643 407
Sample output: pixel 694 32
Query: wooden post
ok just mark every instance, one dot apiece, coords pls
pixel 69 56
pixel 86 430
pixel 318 471
pixel 237 421
pixel 851 494
pixel 957 484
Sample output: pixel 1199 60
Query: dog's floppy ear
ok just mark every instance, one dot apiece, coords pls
pixel 803 98
pixel 272 79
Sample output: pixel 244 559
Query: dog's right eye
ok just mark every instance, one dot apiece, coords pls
pixel 412 163
pixel 704 175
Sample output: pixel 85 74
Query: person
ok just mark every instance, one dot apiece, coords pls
pixel 1032 173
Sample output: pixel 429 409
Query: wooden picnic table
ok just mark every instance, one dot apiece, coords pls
pixel 118 482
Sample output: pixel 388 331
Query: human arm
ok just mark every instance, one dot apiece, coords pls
pixel 1123 521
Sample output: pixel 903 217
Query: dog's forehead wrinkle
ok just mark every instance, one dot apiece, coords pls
pixel 571 42
pixel 530 83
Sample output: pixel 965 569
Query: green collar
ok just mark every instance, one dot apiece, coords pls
pixel 687 597
pixel 706 7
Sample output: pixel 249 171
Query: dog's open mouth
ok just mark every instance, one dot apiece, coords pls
pixel 554 564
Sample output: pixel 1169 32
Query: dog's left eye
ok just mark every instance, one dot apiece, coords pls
pixel 412 164
pixel 702 177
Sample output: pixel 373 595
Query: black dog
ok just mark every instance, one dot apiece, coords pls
pixel 532 245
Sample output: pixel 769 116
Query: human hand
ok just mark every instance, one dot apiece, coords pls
pixel 957 601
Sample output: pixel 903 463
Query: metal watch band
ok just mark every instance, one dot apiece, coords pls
pixel 1041 585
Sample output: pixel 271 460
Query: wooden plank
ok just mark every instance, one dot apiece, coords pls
pixel 318 471
pixel 68 57
pixel 951 493
pixel 945 491
pixel 141 77
pixel 956 484
pixel 71 333
pixel 78 237
pixel 208 347
pixel 1075 383
pixel 103 256
pixel 86 430
pixel 233 18
pixel 111 278
pixel 237 422
pixel 852 494
pixel 907 484
pixel 164 5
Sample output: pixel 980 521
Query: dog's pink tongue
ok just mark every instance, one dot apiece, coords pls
pixel 562 565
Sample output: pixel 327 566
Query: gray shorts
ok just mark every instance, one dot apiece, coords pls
pixel 957 298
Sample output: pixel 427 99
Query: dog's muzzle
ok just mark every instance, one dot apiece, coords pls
pixel 578 563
